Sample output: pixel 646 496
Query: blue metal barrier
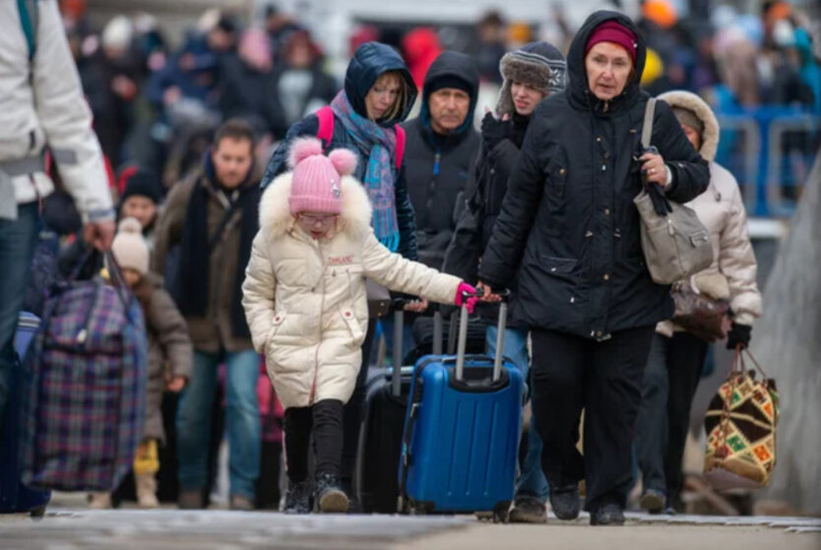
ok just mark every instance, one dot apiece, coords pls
pixel 770 150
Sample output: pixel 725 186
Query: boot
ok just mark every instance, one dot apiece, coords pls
pixel 609 514
pixel 190 499
pixel 100 501
pixel 565 501
pixel 329 494
pixel 297 498
pixel 241 503
pixel 528 509
pixel 146 485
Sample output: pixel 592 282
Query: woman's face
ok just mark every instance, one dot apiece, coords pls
pixel 693 136
pixel 525 98
pixel 382 96
pixel 608 67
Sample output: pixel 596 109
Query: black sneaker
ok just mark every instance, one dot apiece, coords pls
pixel 528 509
pixel 564 501
pixel 653 501
pixel 297 498
pixel 609 514
pixel 330 496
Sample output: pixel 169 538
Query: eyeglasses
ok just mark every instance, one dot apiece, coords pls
pixel 313 220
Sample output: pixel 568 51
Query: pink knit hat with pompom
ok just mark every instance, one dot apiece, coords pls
pixel 316 184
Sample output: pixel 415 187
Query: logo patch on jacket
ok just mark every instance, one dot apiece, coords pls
pixel 340 260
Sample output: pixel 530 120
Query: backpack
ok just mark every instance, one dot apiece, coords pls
pixel 325 115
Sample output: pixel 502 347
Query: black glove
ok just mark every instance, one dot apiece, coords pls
pixel 494 131
pixel 739 334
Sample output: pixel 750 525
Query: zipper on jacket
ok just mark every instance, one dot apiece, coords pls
pixel 312 394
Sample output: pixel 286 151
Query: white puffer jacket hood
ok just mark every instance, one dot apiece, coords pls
pixel 721 209
pixel 305 299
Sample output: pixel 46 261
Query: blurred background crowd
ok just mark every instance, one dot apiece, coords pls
pixel 160 77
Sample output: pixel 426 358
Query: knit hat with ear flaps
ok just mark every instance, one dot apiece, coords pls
pixel 129 246
pixel 316 184
pixel 538 64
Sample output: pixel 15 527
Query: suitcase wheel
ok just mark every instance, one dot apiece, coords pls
pixel 501 512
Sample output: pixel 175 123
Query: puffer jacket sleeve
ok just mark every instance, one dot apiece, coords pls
pixel 258 292
pixel 510 232
pixel 308 126
pixel 66 119
pixel 736 260
pixel 405 218
pixel 402 275
pixel 172 333
pixel 691 173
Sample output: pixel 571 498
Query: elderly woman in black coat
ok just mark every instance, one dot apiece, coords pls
pixel 569 231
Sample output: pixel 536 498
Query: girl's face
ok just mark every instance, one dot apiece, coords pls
pixel 382 96
pixel 693 136
pixel 141 208
pixel 316 224
pixel 525 98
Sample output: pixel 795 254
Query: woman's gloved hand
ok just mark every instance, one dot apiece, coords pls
pixel 494 131
pixel 459 300
pixel 739 335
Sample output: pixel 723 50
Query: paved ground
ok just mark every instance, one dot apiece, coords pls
pixel 168 529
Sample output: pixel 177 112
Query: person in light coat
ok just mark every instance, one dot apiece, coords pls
pixel 41 105
pixel 677 357
pixel 306 304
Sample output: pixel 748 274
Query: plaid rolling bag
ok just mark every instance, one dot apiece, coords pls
pixel 741 429
pixel 84 402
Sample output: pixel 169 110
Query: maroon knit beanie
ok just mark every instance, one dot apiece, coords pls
pixel 615 32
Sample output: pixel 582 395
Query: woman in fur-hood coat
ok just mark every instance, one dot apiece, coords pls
pixel 305 298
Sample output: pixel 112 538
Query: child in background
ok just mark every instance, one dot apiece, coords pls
pixel 170 355
pixel 305 301
pixel 141 198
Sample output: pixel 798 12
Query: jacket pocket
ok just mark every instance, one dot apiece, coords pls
pixel 557 174
pixel 561 268
pixel 279 318
pixel 349 318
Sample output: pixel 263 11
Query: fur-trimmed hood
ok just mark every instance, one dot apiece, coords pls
pixel 275 216
pixel 692 102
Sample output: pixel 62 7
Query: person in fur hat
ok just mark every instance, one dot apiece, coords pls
pixel 677 355
pixel 170 355
pixel 305 300
pixel 530 74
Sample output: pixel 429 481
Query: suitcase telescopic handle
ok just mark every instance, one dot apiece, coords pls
pixel 463 335
pixel 398 336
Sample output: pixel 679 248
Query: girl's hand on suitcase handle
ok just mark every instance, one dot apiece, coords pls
pixel 467 295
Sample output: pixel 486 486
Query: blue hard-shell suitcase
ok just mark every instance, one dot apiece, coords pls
pixel 462 429
pixel 14 496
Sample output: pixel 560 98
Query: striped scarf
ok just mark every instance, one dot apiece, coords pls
pixel 378 144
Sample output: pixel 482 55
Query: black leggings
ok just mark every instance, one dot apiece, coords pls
pixel 324 419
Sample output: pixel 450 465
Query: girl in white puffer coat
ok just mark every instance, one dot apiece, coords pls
pixel 306 304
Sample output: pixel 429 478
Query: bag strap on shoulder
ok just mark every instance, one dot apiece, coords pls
pixel 647 128
pixel 29 19
pixel 325 133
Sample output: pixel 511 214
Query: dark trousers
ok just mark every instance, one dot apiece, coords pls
pixel 324 421
pixel 571 373
pixel 354 410
pixel 670 383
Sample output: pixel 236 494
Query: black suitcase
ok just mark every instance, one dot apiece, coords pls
pixel 380 437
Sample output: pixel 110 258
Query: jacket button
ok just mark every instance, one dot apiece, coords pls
pixel 606 211
pixel 598 334
pixel 588 235
pixel 598 139
pixel 603 168
pixel 562 171
pixel 347 314
pixel 606 277
pixel 277 318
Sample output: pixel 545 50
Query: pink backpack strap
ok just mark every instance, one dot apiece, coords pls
pixel 325 133
pixel 400 147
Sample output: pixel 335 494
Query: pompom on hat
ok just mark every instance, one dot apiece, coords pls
pixel 129 246
pixel 316 184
